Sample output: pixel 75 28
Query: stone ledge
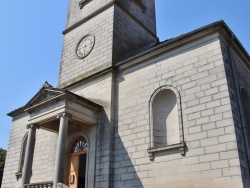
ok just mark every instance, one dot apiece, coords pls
pixel 140 4
pixel 47 184
pixel 83 2
pixel 178 146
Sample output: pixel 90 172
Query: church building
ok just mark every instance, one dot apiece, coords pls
pixel 130 111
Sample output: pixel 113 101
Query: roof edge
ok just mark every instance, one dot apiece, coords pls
pixel 65 95
pixel 216 25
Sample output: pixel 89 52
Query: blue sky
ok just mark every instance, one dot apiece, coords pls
pixel 31 41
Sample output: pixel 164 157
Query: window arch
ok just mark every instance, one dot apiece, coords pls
pixel 165 119
pixel 166 129
pixel 80 145
pixel 22 156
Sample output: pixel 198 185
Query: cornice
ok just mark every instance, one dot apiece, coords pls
pixel 113 2
pixel 219 27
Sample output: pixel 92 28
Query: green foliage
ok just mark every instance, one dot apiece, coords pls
pixel 2 161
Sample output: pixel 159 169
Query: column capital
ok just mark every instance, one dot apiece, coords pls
pixel 32 125
pixel 64 114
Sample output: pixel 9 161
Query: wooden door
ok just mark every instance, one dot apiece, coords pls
pixel 74 170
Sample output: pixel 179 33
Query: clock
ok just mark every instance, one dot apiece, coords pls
pixel 85 46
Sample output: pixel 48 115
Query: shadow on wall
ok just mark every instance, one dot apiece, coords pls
pixel 125 172
pixel 125 175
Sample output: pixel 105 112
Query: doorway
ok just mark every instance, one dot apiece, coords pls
pixel 77 163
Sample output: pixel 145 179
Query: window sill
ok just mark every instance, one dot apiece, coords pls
pixel 179 146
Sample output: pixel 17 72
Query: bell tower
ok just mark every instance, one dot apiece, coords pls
pixel 99 33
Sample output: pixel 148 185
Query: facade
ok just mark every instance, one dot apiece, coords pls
pixel 130 111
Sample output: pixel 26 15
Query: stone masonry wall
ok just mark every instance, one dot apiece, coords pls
pixel 147 18
pixel 129 36
pixel 17 133
pixel 243 77
pixel 211 160
pixel 44 154
pixel 73 69
pixel 75 14
pixel 113 23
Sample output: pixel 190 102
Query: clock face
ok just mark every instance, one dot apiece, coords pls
pixel 85 46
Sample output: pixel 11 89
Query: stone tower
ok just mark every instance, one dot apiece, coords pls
pixel 99 33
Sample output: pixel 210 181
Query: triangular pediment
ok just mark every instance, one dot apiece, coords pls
pixel 44 95
pixel 49 97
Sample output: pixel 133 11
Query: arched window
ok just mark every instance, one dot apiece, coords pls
pixel 165 119
pixel 166 130
pixel 22 156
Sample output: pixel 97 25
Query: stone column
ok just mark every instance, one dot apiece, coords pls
pixel 29 153
pixel 61 149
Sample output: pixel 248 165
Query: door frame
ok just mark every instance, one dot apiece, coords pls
pixel 71 141
pixel 78 154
